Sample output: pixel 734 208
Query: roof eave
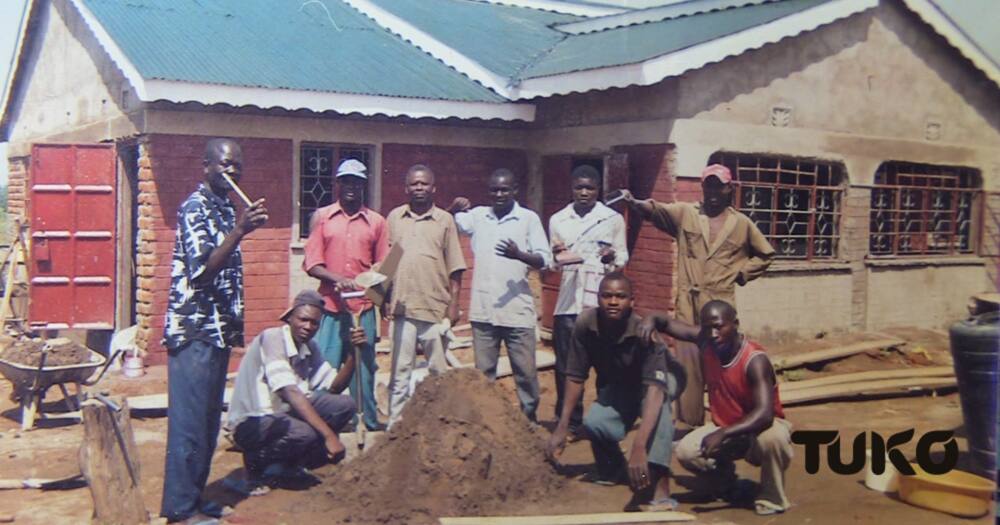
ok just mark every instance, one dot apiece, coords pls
pixel 152 90
pixel 13 76
pixel 319 101
pixel 654 70
pixel 945 27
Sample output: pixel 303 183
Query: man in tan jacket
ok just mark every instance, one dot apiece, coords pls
pixel 717 248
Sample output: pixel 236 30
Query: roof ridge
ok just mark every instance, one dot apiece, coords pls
pixel 652 15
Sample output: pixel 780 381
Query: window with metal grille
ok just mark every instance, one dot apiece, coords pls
pixel 796 203
pixel 318 165
pixel 922 209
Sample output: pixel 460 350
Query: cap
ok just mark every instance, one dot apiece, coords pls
pixel 717 170
pixel 305 297
pixel 352 167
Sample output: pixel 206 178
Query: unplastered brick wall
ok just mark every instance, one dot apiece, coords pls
pixel 458 172
pixel 17 183
pixel 652 252
pixel 170 168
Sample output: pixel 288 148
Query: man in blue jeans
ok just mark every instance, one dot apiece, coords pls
pixel 507 240
pixel 634 379
pixel 204 321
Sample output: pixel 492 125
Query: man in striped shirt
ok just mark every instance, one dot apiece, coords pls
pixel 286 409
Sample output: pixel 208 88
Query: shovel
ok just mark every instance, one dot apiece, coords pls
pixel 368 281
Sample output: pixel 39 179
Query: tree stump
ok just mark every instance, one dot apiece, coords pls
pixel 109 460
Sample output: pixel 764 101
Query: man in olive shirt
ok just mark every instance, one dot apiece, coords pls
pixel 426 285
pixel 634 378
pixel 717 248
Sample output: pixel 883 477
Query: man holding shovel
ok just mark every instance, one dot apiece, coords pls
pixel 348 238
pixel 204 321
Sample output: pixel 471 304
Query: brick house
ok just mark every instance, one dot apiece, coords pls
pixel 865 135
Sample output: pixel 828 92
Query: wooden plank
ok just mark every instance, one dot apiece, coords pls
pixel 574 519
pixel 159 401
pixel 864 388
pixel 931 371
pixel 837 352
pixel 109 460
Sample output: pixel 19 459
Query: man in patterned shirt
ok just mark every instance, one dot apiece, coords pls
pixel 204 321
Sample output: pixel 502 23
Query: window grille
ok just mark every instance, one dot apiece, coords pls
pixel 796 203
pixel 318 165
pixel 922 209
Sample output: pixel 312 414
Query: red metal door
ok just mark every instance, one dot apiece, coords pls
pixel 72 208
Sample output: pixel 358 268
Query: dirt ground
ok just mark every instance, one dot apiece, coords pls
pixel 824 498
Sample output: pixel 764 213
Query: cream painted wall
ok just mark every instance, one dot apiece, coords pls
pixel 931 297
pixel 783 305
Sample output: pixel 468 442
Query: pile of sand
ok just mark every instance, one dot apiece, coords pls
pixel 461 449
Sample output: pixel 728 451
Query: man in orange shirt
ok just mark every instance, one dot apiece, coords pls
pixel 347 239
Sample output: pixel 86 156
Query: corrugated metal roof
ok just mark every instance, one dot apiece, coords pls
pixel 504 39
pixel 316 45
pixel 979 20
pixel 633 44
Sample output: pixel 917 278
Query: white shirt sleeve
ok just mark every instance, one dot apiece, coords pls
pixel 618 241
pixel 537 242
pixel 466 222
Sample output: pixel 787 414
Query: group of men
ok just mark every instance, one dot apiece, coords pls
pixel 287 407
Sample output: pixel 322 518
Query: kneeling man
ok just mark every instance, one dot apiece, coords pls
pixel 633 380
pixel 747 418
pixel 286 409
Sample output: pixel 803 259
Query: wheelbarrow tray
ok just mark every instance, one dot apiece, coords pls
pixel 23 376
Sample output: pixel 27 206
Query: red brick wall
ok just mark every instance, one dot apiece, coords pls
pixel 652 252
pixel 169 170
pixel 458 172
pixel 17 183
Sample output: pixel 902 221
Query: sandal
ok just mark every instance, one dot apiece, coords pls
pixel 663 504
pixel 245 487
pixel 766 508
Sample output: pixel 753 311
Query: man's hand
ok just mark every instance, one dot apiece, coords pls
pixel 335 450
pixel 712 443
pixel 638 467
pixel 453 313
pixel 458 205
pixel 607 253
pixel 627 196
pixel 345 285
pixel 508 249
pixel 385 310
pixel 252 218
pixel 557 443
pixel 358 336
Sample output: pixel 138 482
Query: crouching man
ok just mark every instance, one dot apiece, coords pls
pixel 286 409
pixel 633 380
pixel 747 418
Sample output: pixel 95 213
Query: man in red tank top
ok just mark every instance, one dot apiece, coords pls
pixel 747 418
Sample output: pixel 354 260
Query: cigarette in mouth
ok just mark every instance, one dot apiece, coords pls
pixel 243 196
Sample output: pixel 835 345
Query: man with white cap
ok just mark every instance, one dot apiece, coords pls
pixel 717 248
pixel 346 239
pixel 286 412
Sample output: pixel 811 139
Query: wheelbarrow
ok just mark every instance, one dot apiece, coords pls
pixel 32 382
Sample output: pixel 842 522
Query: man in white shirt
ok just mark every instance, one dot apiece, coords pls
pixel 286 409
pixel 507 240
pixel 590 238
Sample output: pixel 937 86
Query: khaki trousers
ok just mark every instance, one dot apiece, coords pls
pixel 771 451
